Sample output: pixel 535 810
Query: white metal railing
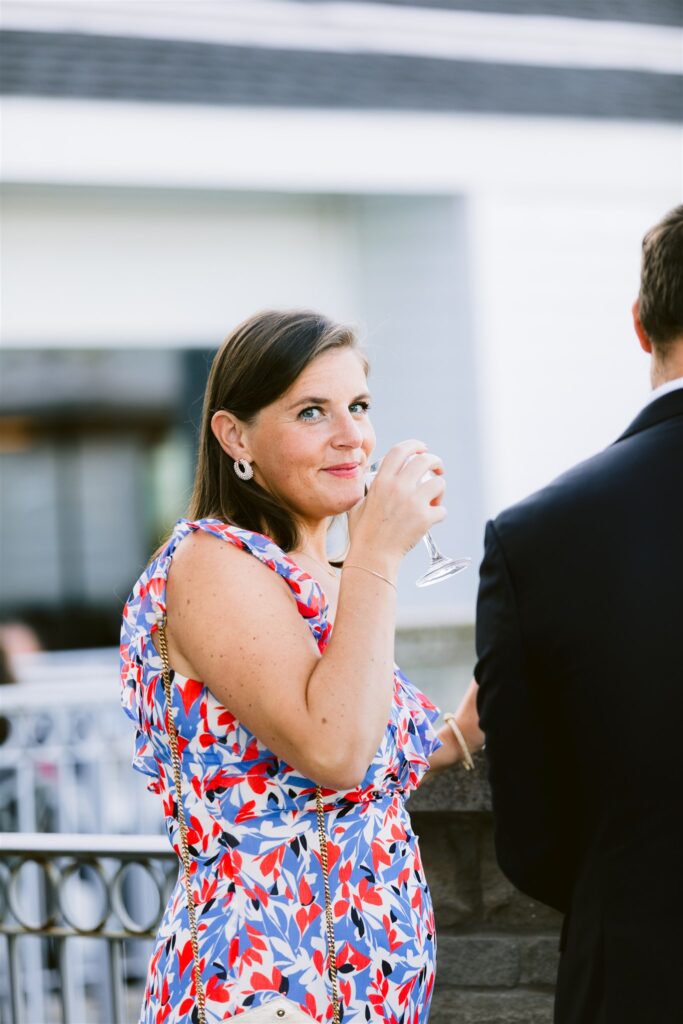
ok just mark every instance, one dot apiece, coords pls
pixel 77 912
pixel 77 916
pixel 65 756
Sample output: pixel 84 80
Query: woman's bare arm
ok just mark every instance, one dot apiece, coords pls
pixel 468 720
pixel 234 623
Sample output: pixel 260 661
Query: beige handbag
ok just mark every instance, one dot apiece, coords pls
pixel 279 1010
pixel 282 1010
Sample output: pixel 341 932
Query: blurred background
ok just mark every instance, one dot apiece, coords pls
pixel 467 181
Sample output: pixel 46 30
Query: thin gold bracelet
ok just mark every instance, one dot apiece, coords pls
pixel 363 568
pixel 468 763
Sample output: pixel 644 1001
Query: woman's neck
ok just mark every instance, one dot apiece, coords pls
pixel 313 541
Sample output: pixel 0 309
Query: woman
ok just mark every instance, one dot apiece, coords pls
pixel 243 598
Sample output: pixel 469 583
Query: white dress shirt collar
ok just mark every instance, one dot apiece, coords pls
pixel 664 389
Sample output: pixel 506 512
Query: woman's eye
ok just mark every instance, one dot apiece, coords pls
pixel 311 413
pixel 362 407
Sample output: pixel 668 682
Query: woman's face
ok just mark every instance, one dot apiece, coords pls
pixel 312 444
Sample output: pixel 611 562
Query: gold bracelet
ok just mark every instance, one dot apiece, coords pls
pixel 363 568
pixel 468 763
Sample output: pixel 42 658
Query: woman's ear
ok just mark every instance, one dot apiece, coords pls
pixel 230 434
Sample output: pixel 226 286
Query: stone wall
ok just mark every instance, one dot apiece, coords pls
pixel 497 950
pixel 438 658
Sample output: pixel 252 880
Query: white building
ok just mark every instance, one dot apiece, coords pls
pixel 470 186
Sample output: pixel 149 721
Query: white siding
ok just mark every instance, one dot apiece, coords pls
pixel 491 262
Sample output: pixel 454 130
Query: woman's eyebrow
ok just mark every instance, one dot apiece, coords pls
pixel 312 400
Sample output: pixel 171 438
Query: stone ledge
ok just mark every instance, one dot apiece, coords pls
pixel 482 960
pixel 540 958
pixel 497 949
pixel 512 1007
pixel 454 789
pixel 504 906
pixel 450 847
pixel 476 961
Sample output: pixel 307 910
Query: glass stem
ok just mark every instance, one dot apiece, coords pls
pixel 434 552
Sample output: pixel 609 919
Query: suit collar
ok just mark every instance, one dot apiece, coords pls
pixel 663 408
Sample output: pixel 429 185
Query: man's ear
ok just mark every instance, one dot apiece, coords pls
pixel 645 342
pixel 230 434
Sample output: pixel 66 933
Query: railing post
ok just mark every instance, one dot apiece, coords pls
pixel 16 995
pixel 116 976
pixel 66 910
pixel 65 983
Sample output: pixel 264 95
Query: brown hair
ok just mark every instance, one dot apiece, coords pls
pixel 661 280
pixel 256 364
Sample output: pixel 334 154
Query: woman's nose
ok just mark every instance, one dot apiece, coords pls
pixel 348 433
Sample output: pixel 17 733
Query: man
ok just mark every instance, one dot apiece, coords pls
pixel 580 671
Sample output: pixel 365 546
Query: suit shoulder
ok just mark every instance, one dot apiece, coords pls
pixel 606 482
pixel 565 489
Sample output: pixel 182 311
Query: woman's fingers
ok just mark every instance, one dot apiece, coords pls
pixel 404 500
pixel 409 461
pixel 439 514
pixel 395 459
pixel 433 489
pixel 419 467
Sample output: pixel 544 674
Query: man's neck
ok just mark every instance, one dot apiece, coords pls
pixel 667 367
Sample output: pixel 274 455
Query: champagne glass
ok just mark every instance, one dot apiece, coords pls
pixel 440 566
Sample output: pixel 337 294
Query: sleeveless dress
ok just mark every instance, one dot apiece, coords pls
pixel 257 880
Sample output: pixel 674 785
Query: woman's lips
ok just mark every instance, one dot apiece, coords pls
pixel 348 470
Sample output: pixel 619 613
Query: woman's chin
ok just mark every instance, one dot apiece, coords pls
pixel 338 505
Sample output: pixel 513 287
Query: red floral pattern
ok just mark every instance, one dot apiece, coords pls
pixel 257 879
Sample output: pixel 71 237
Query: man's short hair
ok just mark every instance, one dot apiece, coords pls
pixel 661 280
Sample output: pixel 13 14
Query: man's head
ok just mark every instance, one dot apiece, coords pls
pixel 658 310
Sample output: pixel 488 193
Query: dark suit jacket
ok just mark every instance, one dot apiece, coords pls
pixel 580 648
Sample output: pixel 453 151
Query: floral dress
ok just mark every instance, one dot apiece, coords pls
pixel 257 879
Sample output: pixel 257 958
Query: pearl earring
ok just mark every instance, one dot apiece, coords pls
pixel 243 469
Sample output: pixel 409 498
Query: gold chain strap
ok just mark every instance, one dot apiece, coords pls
pixel 329 923
pixel 182 824
pixel 185 853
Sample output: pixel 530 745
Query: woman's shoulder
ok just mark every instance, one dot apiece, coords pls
pixel 187 546
pixel 215 557
pixel 264 548
pixel 242 576
pixel 203 570
pixel 236 571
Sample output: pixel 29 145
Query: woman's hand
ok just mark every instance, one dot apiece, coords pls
pixel 403 502
pixel 468 720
